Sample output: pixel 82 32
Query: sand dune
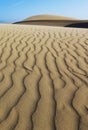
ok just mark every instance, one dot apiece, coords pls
pixel 48 17
pixel 43 78
pixel 48 20
pixel 53 20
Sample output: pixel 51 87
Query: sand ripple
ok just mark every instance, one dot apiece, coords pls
pixel 43 78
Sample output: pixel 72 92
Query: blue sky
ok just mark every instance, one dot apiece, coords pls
pixel 15 10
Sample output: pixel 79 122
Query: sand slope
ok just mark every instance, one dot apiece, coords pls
pixel 53 20
pixel 48 17
pixel 43 78
pixel 48 20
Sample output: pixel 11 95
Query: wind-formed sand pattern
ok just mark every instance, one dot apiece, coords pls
pixel 43 78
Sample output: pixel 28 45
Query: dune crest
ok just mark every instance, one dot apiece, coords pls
pixel 49 17
pixel 53 20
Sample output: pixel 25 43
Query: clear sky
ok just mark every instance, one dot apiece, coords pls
pixel 15 10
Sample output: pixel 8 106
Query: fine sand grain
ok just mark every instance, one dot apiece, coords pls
pixel 43 78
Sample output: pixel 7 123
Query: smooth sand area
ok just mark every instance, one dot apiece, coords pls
pixel 48 17
pixel 53 20
pixel 43 78
pixel 48 20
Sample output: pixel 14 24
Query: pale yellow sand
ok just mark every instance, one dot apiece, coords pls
pixel 48 20
pixel 43 78
pixel 49 17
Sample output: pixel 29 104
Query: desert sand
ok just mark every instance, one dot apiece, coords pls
pixel 48 20
pixel 48 17
pixel 43 78
pixel 54 20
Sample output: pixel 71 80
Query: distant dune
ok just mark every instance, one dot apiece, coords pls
pixel 48 17
pixel 48 20
pixel 52 20
pixel 43 78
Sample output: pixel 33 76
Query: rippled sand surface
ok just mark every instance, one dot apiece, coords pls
pixel 43 78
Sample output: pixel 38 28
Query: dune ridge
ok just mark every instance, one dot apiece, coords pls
pixel 48 20
pixel 48 17
pixel 43 78
pixel 53 20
